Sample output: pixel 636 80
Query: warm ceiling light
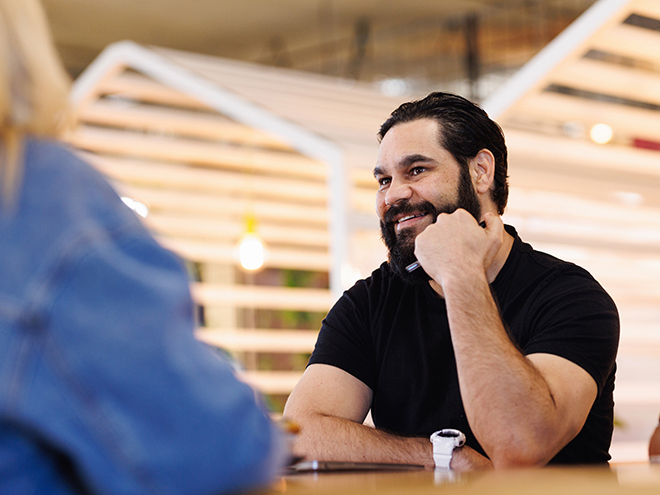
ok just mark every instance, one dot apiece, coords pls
pixel 601 133
pixel 251 250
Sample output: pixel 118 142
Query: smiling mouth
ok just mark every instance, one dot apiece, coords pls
pixel 407 218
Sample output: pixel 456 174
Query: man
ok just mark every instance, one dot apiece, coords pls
pixel 511 347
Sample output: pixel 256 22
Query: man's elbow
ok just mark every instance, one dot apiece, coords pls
pixel 536 449
pixel 517 453
pixel 511 460
pixel 310 426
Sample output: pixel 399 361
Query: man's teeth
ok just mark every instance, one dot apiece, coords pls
pixel 408 218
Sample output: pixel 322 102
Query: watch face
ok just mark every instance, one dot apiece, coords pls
pixel 449 436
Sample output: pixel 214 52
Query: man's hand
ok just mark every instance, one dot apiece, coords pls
pixel 456 246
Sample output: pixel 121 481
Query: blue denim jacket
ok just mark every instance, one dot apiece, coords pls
pixel 103 387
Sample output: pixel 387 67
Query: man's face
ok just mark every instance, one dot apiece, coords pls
pixel 418 179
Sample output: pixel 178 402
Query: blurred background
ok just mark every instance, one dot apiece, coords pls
pixel 244 134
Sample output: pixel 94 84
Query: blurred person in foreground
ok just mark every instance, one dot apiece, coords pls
pixel 103 387
pixel 490 342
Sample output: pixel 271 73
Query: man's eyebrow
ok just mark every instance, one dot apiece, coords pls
pixel 406 162
pixel 411 159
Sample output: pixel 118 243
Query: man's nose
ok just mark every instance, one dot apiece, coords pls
pixel 397 191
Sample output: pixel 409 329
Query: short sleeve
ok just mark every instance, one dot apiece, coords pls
pixel 345 337
pixel 576 319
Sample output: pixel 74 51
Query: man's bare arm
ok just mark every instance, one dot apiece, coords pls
pixel 522 410
pixel 330 406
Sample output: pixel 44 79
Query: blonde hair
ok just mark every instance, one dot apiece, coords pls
pixel 34 86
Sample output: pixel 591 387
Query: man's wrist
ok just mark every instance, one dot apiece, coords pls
pixel 464 277
pixel 466 459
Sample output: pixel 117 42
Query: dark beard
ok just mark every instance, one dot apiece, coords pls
pixel 401 247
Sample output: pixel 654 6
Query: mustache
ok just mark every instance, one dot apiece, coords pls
pixel 406 207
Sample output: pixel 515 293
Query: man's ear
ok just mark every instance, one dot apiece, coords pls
pixel 482 168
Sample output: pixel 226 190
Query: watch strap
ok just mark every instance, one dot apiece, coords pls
pixel 444 442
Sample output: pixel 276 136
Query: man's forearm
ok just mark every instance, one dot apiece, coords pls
pixel 330 405
pixel 330 438
pixel 507 401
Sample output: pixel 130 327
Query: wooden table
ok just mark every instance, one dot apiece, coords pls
pixel 631 479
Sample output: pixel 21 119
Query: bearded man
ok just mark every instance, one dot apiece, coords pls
pixel 499 354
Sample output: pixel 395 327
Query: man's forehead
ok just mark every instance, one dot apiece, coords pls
pixel 408 142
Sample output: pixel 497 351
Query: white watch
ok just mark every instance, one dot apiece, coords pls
pixel 444 442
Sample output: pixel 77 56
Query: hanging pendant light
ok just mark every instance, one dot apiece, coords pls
pixel 251 250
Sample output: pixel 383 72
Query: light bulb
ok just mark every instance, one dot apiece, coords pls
pixel 252 252
pixel 601 133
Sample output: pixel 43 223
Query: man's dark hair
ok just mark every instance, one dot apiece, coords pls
pixel 465 129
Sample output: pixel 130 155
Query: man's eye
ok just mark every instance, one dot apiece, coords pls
pixel 417 170
pixel 383 181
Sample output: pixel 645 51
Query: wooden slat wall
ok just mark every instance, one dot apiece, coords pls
pixel 558 109
pixel 264 297
pixel 181 122
pixel 196 152
pixel 266 340
pixel 178 178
